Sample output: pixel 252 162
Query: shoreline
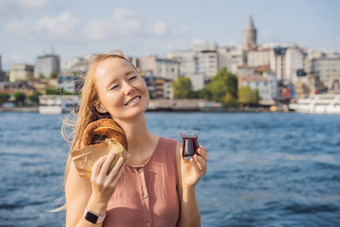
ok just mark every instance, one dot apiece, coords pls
pixel 22 109
pixel 34 109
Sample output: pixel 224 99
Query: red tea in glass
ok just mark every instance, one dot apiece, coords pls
pixel 190 143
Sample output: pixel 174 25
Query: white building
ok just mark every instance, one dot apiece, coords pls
pixel 294 62
pixel 197 81
pixel 71 65
pixel 259 57
pixel 201 59
pixel 153 66
pixel 328 70
pixel 20 72
pixel 167 68
pixel 46 66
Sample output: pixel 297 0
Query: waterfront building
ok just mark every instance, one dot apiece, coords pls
pixel 266 85
pixel 73 66
pixel 230 57
pixel 259 56
pixel 328 70
pixel 159 67
pixel 197 81
pixel 2 73
pixel 158 87
pixel 261 78
pixel 13 87
pixel 46 66
pixel 201 59
pixel 20 72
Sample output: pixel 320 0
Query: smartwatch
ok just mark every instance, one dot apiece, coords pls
pixel 93 217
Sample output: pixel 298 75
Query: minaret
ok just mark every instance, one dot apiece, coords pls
pixel 249 35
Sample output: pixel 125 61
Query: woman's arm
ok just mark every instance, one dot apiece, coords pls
pixel 93 194
pixel 189 174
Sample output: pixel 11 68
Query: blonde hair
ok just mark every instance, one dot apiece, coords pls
pixel 87 107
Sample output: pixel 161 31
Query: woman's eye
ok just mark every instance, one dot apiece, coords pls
pixel 114 87
pixel 132 78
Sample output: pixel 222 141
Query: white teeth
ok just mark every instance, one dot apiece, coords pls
pixel 133 100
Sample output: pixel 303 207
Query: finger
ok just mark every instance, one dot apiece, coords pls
pixel 118 175
pixel 96 166
pixel 105 167
pixel 203 148
pixel 197 168
pixel 202 153
pixel 201 163
pixel 115 169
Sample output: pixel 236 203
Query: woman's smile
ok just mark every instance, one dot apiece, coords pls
pixel 133 101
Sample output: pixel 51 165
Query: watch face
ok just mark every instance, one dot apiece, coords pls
pixel 91 217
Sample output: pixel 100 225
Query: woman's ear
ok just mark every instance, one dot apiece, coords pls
pixel 101 108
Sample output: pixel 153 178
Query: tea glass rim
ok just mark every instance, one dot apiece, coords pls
pixel 190 132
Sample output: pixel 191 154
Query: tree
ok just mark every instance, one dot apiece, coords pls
pixel 222 83
pixel 35 97
pixel 182 88
pixel 247 96
pixel 4 97
pixel 52 91
pixel 53 75
pixel 19 97
pixel 229 101
pixel 256 96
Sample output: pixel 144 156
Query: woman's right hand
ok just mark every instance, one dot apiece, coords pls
pixel 103 183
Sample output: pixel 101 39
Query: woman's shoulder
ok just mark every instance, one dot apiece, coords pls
pixel 167 141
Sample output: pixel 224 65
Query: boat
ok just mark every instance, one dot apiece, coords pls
pixel 319 103
pixel 57 104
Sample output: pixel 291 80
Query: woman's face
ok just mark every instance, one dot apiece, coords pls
pixel 122 91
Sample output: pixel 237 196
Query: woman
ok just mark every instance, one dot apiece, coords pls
pixel 155 186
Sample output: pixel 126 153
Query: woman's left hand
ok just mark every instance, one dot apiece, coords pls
pixel 192 170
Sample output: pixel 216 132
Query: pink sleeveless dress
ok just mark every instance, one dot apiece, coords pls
pixel 147 195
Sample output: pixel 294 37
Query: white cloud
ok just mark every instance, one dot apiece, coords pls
pixel 175 45
pixel 35 4
pixel 159 29
pixel 124 23
pixel 123 14
pixel 96 30
pixel 197 41
pixel 61 26
pixel 17 28
pixel 184 30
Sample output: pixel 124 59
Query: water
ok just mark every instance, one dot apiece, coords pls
pixel 264 169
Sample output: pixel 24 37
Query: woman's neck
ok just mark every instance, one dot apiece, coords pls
pixel 138 137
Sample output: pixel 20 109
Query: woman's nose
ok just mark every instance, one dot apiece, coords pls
pixel 128 89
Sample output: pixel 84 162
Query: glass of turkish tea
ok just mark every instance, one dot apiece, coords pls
pixel 190 143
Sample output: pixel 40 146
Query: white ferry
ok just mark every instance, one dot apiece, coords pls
pixel 56 104
pixel 321 103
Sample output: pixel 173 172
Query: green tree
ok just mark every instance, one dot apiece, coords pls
pixel 256 96
pixel 182 88
pixel 53 75
pixel 41 76
pixel 229 101
pixel 35 97
pixel 222 83
pixel 19 97
pixel 247 96
pixel 52 91
pixel 4 97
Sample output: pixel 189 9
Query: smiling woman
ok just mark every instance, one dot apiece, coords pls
pixel 155 186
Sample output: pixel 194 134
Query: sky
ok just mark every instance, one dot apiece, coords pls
pixel 78 28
